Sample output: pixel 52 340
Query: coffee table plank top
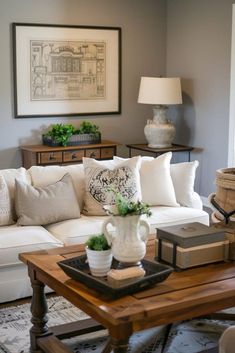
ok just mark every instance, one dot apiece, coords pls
pixel 182 295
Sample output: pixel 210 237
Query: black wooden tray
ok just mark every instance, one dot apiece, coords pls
pixel 78 269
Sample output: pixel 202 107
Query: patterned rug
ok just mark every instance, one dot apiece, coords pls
pixel 185 337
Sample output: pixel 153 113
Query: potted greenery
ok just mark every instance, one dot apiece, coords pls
pixel 58 135
pixel 128 242
pixel 68 135
pixel 99 255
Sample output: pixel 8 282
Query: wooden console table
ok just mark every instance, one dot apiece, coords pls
pixel 46 155
pixel 183 295
pixel 157 151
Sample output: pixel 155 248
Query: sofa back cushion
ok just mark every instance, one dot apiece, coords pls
pixel 44 205
pixel 43 176
pixel 101 177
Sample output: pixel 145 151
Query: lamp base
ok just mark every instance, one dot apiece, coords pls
pixel 159 132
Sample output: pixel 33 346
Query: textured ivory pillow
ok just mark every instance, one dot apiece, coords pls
pixel 183 177
pixel 10 175
pixel 156 183
pixel 124 178
pixel 5 204
pixel 44 205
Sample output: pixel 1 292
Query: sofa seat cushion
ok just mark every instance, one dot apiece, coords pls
pixel 168 216
pixel 15 240
pixel 77 231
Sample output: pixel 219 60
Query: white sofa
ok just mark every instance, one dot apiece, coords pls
pixel 14 238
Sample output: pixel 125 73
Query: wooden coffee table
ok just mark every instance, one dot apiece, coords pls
pixel 183 295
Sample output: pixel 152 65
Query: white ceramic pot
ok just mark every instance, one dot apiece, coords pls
pixel 127 242
pixel 99 261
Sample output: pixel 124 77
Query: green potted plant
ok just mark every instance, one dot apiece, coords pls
pixel 87 133
pixel 99 255
pixel 88 128
pixel 59 135
pixel 128 242
pixel 68 135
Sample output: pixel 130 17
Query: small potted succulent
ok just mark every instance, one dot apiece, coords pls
pixel 99 255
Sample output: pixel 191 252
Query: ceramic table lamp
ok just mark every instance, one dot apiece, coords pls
pixel 161 92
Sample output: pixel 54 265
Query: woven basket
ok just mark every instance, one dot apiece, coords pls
pixel 225 189
pixel 229 235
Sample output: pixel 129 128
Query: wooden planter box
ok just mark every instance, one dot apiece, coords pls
pixel 74 140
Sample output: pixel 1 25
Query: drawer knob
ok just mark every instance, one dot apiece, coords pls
pixel 51 157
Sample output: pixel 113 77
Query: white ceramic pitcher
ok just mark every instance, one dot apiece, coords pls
pixel 127 242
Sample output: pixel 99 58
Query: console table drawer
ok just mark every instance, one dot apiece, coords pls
pixel 46 155
pixel 108 152
pixel 50 157
pixel 93 153
pixel 73 156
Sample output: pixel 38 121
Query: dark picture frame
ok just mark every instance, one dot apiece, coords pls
pixel 65 70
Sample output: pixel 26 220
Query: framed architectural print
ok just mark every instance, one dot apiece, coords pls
pixel 66 70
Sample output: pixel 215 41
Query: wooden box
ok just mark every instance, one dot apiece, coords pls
pixel 191 244
pixel 196 255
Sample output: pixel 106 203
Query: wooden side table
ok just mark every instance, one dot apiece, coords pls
pixel 46 155
pixel 157 151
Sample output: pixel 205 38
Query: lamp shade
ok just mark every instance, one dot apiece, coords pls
pixel 160 90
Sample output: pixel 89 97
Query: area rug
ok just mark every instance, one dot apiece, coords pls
pixel 184 337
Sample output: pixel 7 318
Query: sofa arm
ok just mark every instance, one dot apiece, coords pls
pixel 196 201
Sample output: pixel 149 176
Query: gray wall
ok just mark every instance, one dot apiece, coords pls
pixel 199 50
pixel 143 26
pixel 185 38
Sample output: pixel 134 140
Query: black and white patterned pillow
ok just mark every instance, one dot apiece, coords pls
pixel 123 178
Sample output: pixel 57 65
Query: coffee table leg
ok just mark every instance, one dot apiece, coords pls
pixel 119 339
pixel 39 313
pixel 119 346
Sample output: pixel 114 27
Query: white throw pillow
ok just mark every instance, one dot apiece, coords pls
pixel 5 204
pixel 156 183
pixel 183 177
pixel 124 178
pixel 10 175
pixel 155 179
pixel 45 205
pixel 117 159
